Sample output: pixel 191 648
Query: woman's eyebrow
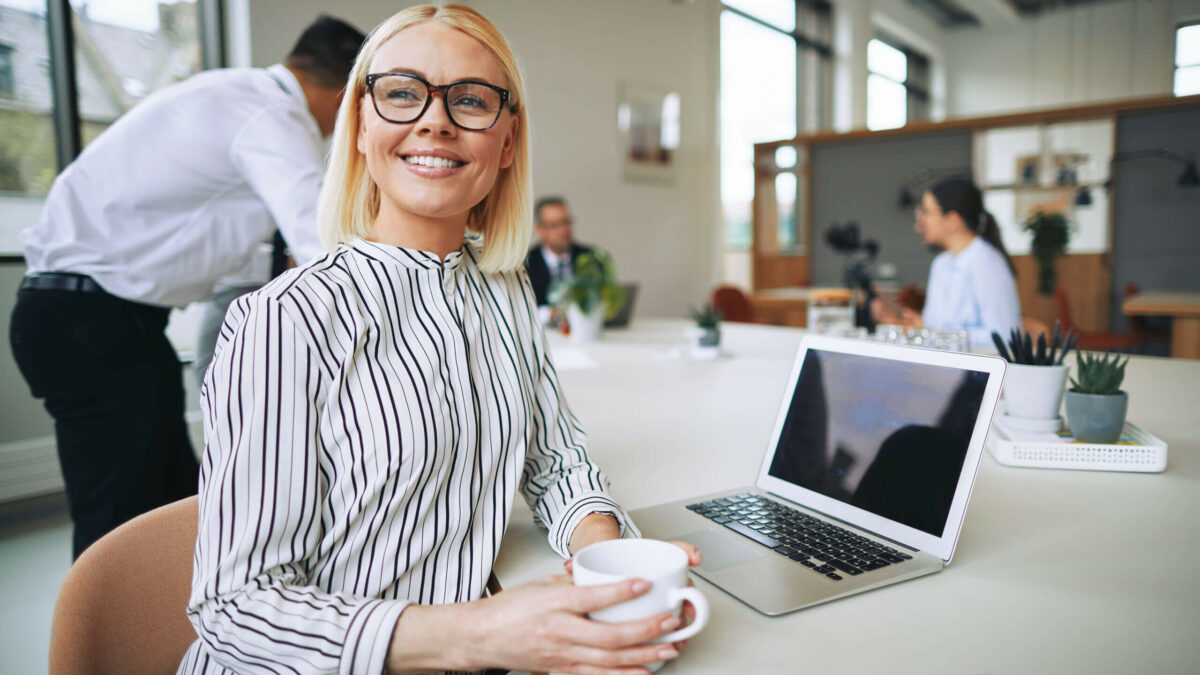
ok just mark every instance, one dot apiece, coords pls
pixel 413 71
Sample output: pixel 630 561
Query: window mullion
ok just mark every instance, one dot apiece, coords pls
pixel 63 82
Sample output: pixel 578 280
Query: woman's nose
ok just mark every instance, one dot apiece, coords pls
pixel 435 120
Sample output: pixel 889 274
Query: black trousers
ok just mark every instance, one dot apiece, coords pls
pixel 114 386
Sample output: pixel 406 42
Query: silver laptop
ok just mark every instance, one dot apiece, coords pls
pixel 864 484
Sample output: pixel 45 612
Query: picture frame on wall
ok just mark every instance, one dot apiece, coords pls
pixel 648 126
pixel 1027 169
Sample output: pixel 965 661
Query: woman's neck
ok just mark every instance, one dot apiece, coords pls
pixel 957 242
pixel 440 236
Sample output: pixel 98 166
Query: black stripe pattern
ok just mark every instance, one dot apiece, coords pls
pixel 368 420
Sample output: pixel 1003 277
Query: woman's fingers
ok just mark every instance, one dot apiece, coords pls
pixel 585 599
pixel 693 553
pixel 621 634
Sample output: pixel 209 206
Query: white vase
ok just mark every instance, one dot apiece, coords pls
pixel 585 327
pixel 1034 392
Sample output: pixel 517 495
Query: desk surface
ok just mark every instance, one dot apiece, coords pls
pixel 1056 571
pixel 1175 303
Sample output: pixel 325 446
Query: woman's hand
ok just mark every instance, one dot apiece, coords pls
pixel 541 625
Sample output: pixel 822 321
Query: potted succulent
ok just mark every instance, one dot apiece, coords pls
pixel 1096 406
pixel 590 296
pixel 1036 376
pixel 1051 234
pixel 708 323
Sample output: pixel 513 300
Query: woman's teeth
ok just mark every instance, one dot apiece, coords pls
pixel 435 162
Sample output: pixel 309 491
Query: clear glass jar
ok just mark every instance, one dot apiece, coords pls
pixel 830 311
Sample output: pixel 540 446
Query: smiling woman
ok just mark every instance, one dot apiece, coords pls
pixel 371 416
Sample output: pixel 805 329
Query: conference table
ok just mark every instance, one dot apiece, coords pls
pixel 1056 571
pixel 1184 309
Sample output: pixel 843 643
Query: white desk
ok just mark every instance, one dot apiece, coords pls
pixel 1056 571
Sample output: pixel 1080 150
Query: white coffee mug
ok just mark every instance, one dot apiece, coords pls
pixel 664 565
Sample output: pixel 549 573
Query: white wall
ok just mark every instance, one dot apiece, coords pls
pixel 574 54
pixel 1106 51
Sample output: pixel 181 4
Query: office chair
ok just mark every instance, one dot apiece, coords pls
pixel 122 608
pixel 1093 340
pixel 733 304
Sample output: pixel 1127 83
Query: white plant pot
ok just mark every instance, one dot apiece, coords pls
pixel 585 327
pixel 1034 392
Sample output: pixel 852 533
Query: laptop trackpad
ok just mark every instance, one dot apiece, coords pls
pixel 720 549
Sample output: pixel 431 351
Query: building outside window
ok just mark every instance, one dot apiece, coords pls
pixel 1187 60
pixel 774 84
pixel 6 69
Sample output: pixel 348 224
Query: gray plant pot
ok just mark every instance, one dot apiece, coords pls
pixel 1096 418
pixel 711 337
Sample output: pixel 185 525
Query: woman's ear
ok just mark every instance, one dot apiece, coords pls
pixel 510 143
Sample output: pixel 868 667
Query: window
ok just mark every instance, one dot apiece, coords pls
pixel 897 86
pixel 123 51
pixel 6 69
pixel 1187 60
pixel 774 83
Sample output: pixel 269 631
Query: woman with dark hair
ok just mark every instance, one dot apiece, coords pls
pixel 971 285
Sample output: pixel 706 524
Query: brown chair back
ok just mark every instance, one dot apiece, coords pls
pixel 733 304
pixel 1035 327
pixel 123 606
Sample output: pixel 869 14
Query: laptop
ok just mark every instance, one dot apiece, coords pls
pixel 865 481
pixel 623 315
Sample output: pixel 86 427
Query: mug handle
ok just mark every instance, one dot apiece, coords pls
pixel 693 595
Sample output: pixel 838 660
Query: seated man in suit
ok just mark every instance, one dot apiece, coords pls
pixel 553 258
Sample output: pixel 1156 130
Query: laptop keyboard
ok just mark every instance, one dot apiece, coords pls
pixel 816 544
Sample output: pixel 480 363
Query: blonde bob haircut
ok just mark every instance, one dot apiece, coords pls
pixel 349 200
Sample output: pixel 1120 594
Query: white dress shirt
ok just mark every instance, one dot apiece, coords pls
pixel 182 189
pixel 369 419
pixel 973 291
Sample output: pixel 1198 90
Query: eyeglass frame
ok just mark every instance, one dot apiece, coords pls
pixel 442 89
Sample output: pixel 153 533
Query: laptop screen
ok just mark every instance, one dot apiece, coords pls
pixel 883 435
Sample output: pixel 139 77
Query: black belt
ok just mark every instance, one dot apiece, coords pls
pixel 60 281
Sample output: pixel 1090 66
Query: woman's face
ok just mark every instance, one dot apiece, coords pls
pixel 932 224
pixel 393 152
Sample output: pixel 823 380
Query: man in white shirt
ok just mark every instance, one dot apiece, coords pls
pixel 175 195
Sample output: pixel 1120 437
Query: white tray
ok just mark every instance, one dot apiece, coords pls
pixel 1136 451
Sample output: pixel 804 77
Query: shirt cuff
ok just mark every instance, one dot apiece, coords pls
pixel 578 509
pixel 369 636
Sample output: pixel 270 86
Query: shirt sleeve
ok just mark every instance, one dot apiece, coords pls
pixel 995 290
pixel 279 154
pixel 560 483
pixel 253 604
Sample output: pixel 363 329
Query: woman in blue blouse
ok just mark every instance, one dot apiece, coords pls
pixel 971 282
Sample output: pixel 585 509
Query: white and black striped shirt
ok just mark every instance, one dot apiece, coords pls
pixel 369 418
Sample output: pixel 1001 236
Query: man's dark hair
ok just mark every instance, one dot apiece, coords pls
pixel 326 51
pixel 552 200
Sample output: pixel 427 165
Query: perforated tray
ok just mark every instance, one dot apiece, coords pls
pixel 1137 450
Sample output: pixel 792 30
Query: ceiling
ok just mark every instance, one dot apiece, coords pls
pixel 989 13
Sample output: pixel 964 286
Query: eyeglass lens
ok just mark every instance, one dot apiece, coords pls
pixel 402 99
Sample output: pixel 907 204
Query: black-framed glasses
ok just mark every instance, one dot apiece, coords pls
pixel 402 98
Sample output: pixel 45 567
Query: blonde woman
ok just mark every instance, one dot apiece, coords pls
pixel 370 417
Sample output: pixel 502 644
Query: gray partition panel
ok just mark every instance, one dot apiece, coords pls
pixel 861 180
pixel 1156 242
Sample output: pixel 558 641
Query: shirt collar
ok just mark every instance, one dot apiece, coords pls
pixel 970 252
pixel 553 259
pixel 409 258
pixel 287 80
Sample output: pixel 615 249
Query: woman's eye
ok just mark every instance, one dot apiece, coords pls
pixel 470 103
pixel 402 95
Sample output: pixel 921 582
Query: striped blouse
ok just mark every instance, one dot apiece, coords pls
pixel 368 419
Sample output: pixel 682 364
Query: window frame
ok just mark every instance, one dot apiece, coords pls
pixel 64 81
pixel 8 80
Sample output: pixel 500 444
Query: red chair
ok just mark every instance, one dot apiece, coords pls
pixel 1092 340
pixel 733 304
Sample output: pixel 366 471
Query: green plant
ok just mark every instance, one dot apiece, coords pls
pixel 707 317
pixel 593 282
pixel 1051 234
pixel 1023 349
pixel 1100 375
